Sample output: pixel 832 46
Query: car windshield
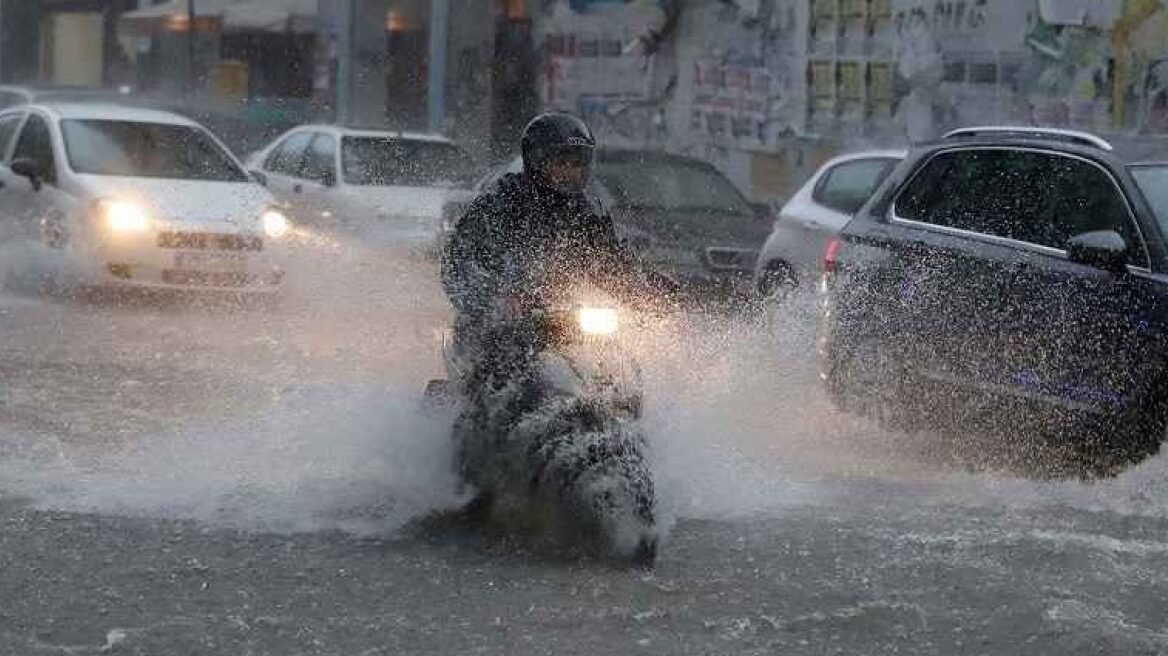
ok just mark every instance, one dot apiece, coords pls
pixel 1153 181
pixel 147 150
pixel 669 184
pixel 389 161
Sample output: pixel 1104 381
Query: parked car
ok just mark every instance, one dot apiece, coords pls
pixel 147 198
pixel 678 214
pixel 1012 275
pixel 816 213
pixel 365 180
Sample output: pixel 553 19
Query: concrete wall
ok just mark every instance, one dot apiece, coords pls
pixel 767 89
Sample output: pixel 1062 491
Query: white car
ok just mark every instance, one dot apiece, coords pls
pixel 12 95
pixel 143 197
pixel 816 213
pixel 373 182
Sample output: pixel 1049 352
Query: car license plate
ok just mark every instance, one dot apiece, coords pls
pixel 217 262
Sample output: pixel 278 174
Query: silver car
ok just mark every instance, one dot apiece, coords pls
pixel 392 182
pixel 819 210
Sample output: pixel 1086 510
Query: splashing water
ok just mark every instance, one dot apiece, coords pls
pixel 357 458
pixel 736 418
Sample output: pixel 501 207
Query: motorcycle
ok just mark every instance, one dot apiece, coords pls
pixel 559 430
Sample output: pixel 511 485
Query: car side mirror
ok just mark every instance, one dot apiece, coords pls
pixel 28 168
pixel 1102 249
pixel 260 177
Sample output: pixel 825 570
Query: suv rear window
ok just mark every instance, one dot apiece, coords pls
pixel 1036 197
pixel 1153 181
pixel 848 185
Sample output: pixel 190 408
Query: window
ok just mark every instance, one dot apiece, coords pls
pixel 288 157
pixel 8 126
pixel 983 73
pixel 379 161
pixel 147 150
pixel 847 186
pixel 851 80
pixel 320 162
pixel 954 72
pixel 880 81
pixel 1035 197
pixel 35 143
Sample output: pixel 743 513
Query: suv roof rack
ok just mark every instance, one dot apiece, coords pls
pixel 1068 136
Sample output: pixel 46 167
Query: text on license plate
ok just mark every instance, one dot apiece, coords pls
pixel 226 262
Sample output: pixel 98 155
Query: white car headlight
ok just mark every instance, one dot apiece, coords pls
pixel 598 321
pixel 275 224
pixel 123 216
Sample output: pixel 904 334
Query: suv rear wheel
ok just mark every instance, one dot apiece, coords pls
pixel 1124 439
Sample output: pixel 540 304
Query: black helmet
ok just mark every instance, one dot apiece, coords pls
pixel 558 137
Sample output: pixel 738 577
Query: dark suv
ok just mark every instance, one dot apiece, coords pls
pixel 1013 275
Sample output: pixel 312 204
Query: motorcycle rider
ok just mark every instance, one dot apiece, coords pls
pixel 541 219
pixel 534 230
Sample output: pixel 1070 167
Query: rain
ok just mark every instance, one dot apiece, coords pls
pixel 809 327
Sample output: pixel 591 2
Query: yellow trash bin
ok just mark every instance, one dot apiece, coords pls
pixel 228 80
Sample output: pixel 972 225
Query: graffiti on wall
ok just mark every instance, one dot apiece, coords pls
pixel 589 66
pixel 746 94
pixel 731 100
pixel 957 62
pixel 1069 80
pixel 955 16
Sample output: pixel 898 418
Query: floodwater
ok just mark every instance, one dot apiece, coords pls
pixel 184 475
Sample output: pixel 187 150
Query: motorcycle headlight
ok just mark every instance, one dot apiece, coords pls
pixel 123 216
pixel 275 224
pixel 598 321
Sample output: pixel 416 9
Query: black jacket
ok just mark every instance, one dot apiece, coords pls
pixel 520 240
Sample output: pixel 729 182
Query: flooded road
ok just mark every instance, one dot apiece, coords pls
pixel 206 478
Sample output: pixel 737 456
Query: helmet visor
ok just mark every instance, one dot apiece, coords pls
pixel 569 169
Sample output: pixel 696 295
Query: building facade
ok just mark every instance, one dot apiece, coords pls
pixel 765 89
pixel 66 42
pixel 768 88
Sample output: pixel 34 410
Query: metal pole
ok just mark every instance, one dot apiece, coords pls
pixel 344 88
pixel 2 38
pixel 436 84
pixel 191 74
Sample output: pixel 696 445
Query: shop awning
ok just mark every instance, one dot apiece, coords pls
pixel 173 16
pixel 229 15
pixel 271 16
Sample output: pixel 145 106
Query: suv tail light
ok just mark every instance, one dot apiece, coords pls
pixel 452 211
pixel 831 255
